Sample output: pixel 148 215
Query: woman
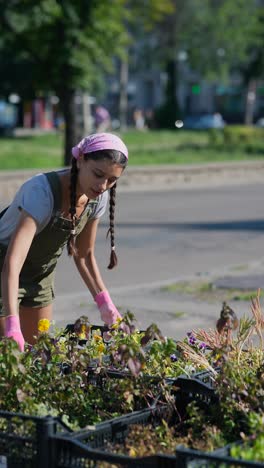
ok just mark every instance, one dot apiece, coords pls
pixel 49 211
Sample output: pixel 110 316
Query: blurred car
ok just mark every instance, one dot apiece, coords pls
pixel 8 117
pixel 260 122
pixel 204 121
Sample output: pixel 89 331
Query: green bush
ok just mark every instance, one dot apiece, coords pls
pixel 242 134
pixel 216 136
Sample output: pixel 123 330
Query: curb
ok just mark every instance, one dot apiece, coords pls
pixel 164 177
pixel 168 177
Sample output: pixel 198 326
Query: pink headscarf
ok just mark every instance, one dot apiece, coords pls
pixel 98 142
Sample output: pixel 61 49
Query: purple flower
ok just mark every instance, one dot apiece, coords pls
pixel 192 340
pixel 202 345
pixel 173 357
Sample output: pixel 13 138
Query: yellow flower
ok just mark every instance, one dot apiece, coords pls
pixel 83 332
pixel 43 325
pixel 101 348
pixel 97 337
pixel 132 452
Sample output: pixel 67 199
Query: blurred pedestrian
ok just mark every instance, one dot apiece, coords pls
pixel 139 119
pixel 102 119
pixel 149 119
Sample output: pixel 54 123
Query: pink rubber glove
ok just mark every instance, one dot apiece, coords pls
pixel 109 312
pixel 13 330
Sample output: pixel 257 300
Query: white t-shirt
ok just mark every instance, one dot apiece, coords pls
pixel 36 198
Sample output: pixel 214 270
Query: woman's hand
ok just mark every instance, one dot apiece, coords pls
pixel 89 271
pixel 13 330
pixel 109 312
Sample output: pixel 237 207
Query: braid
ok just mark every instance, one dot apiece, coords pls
pixel 71 241
pixel 111 231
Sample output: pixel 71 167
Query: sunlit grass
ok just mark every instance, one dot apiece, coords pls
pixel 44 151
pixel 188 287
pixel 177 314
pixel 209 292
pixel 145 148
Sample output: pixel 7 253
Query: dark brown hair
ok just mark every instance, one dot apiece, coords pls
pixel 117 158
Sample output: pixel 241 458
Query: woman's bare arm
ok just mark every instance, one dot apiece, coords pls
pixel 15 257
pixel 86 261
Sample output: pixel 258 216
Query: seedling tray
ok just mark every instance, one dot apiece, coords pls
pixel 74 454
pixel 86 448
pixel 24 440
pixel 94 376
pixel 200 387
pixel 102 329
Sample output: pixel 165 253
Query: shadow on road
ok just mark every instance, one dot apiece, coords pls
pixel 242 225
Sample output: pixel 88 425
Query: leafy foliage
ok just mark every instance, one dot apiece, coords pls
pixel 251 449
pixel 62 47
pixel 69 375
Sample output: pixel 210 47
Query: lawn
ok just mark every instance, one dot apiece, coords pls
pixel 149 147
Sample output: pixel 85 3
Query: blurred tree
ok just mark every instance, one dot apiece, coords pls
pixel 65 45
pixel 216 36
pixel 60 44
pixel 235 42
pixel 144 15
pixel 253 71
pixel 218 41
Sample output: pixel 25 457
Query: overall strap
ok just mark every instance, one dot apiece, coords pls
pixel 55 186
pixel 3 212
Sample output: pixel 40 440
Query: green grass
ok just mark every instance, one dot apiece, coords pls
pixel 188 287
pixel 145 148
pixel 239 267
pixel 188 156
pixel 177 314
pixel 159 139
pixel 208 292
pixel 245 296
pixel 43 151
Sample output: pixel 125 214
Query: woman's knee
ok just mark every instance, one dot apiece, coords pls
pixel 29 319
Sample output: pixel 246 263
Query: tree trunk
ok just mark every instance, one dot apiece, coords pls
pixel 169 111
pixel 250 102
pixel 67 98
pixel 123 95
pixel 87 114
pixel 171 83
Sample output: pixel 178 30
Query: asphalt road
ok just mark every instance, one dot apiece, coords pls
pixel 162 237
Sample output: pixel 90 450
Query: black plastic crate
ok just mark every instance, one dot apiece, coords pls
pixel 200 387
pixel 102 329
pixel 88 448
pixel 99 379
pixel 188 458
pixel 74 454
pixel 25 440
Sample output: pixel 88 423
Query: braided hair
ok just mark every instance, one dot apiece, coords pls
pixel 117 158
pixel 111 230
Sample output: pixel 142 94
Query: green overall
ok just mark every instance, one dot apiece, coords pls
pixel 36 280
